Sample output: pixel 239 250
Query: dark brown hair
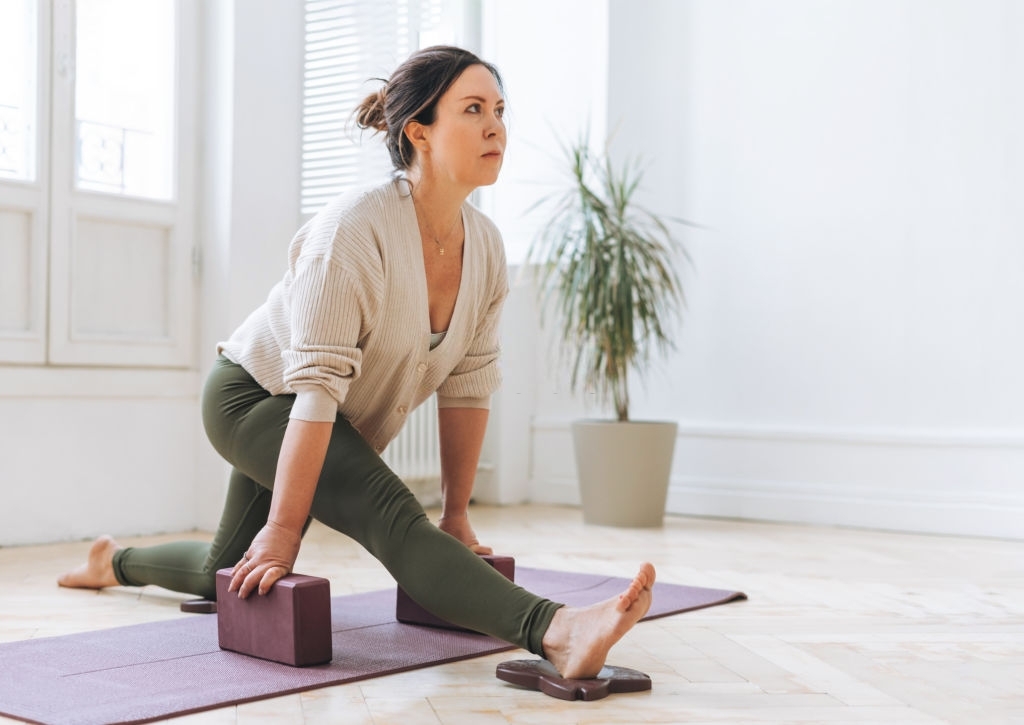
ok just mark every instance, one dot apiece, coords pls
pixel 412 93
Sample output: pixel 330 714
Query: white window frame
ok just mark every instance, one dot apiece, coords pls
pixel 31 198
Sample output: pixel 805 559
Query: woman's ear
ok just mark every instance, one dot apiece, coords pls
pixel 417 134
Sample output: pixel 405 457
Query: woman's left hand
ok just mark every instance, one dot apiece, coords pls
pixel 458 526
pixel 270 556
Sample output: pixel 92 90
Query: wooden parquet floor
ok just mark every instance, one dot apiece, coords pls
pixel 842 626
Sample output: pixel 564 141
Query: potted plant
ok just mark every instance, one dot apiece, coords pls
pixel 607 269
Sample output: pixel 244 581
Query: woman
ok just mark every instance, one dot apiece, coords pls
pixel 391 294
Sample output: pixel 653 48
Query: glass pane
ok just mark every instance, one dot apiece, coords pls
pixel 17 89
pixel 124 97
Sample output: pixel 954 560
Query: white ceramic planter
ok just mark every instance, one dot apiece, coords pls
pixel 624 470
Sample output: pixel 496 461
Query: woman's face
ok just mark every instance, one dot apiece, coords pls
pixel 466 142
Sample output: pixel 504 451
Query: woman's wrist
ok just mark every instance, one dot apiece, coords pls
pixel 284 529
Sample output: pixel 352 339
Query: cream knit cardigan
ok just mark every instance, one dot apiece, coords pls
pixel 348 330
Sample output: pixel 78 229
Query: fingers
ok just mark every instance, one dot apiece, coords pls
pixel 270 556
pixel 258 578
pixel 270 578
pixel 243 564
pixel 239 574
pixel 459 527
pixel 247 576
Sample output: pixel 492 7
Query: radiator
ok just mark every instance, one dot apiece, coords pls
pixel 415 454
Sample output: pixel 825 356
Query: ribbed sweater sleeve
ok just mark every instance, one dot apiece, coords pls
pixel 321 360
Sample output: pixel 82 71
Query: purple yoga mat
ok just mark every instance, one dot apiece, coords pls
pixel 145 672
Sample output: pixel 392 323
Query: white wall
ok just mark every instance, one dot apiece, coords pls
pixel 553 58
pixel 852 348
pixel 88 451
pixel 853 338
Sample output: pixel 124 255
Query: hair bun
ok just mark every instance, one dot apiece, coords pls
pixel 370 113
pixel 411 93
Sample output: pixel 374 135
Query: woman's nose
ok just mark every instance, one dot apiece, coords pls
pixel 495 127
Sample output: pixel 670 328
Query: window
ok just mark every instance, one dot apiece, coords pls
pixel 124 111
pixel 96 149
pixel 17 89
pixel 24 125
pixel 347 43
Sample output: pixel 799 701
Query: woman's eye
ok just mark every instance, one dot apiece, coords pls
pixel 500 111
pixel 475 108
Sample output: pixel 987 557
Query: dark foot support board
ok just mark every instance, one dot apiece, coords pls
pixel 541 675
pixel 199 606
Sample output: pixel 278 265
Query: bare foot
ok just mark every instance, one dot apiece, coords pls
pixel 458 526
pixel 579 638
pixel 98 570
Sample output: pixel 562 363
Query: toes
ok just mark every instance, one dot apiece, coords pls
pixel 641 583
pixel 644 578
pixel 635 587
pixel 71 579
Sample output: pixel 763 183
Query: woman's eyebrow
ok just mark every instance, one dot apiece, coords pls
pixel 480 98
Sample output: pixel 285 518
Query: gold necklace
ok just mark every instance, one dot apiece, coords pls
pixel 437 240
pixel 440 247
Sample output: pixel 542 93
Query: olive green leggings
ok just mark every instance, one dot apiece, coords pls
pixel 357 495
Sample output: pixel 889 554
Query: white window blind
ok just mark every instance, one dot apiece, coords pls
pixel 348 42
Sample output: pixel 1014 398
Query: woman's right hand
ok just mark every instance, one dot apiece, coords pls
pixel 270 556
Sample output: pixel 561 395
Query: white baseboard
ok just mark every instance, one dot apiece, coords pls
pixel 557 490
pixel 959 482
pixel 966 514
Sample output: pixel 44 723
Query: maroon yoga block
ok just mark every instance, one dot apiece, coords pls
pixel 290 624
pixel 409 612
